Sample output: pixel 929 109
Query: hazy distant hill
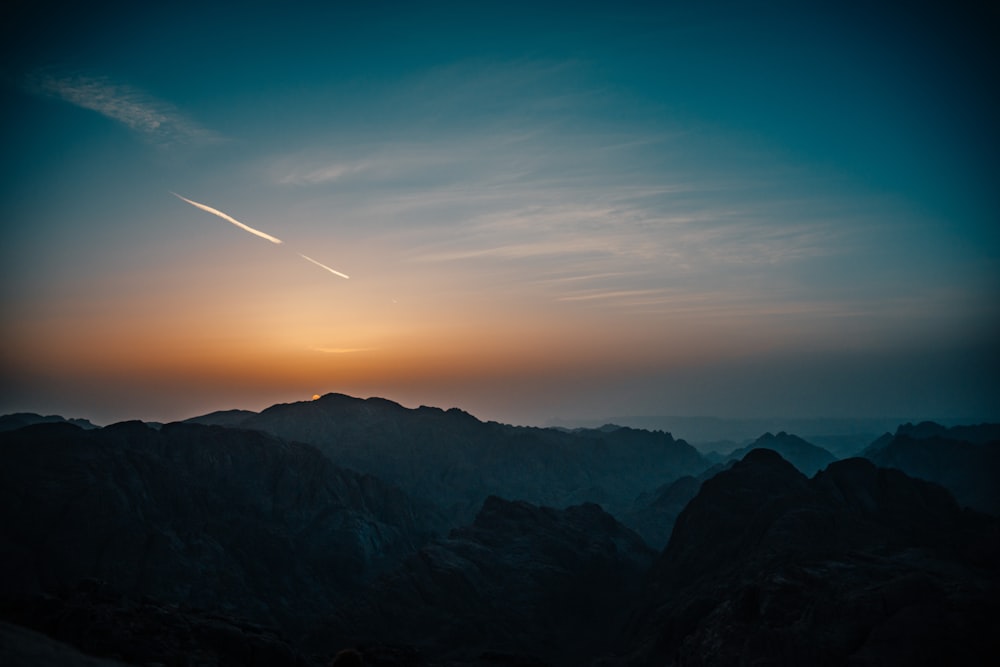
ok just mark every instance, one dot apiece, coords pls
pixel 859 565
pixel 808 458
pixel 841 436
pixel 455 460
pixel 965 459
pixel 218 518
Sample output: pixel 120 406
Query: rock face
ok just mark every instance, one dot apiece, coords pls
pixel 859 565
pixel 808 458
pixel 521 580
pixel 964 459
pixel 456 461
pixel 214 518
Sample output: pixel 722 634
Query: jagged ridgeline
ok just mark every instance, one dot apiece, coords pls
pixel 454 460
pixel 391 536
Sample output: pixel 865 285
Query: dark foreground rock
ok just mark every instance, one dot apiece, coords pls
pixel 99 621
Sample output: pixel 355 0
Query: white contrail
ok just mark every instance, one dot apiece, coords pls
pixel 239 224
pixel 323 266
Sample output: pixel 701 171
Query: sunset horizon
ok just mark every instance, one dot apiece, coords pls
pixel 531 213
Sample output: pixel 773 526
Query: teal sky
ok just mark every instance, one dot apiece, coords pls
pixel 546 210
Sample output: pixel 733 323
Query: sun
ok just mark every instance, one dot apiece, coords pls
pixel 315 397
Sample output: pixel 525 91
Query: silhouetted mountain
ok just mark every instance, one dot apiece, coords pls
pixel 858 565
pixel 965 459
pixel 808 458
pixel 222 418
pixel 521 580
pixel 18 420
pixel 978 434
pixel 455 460
pixel 217 518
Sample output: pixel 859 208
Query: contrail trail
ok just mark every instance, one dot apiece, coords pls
pixel 323 266
pixel 239 224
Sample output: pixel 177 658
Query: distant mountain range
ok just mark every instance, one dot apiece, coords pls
pixel 427 537
pixel 18 420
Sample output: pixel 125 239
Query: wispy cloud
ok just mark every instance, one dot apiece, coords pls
pixel 155 120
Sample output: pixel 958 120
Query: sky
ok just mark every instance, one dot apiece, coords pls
pixel 531 211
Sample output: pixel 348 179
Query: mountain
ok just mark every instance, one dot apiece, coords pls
pixel 18 420
pixel 456 461
pixel 808 458
pixel 859 565
pixel 965 459
pixel 215 518
pixel 222 418
pixel 521 580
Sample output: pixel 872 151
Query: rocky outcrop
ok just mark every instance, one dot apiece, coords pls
pixel 522 580
pixel 215 518
pixel 859 565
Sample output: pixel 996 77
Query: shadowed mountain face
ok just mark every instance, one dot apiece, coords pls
pixel 216 518
pixel 808 458
pixel 521 580
pixel 456 461
pixel 964 459
pixel 858 565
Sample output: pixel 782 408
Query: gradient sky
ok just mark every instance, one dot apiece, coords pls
pixel 546 210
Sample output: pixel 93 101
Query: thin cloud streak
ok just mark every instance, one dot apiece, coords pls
pixel 323 266
pixel 227 218
pixel 156 120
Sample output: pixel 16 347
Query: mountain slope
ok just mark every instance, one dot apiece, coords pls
pixel 858 565
pixel 206 516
